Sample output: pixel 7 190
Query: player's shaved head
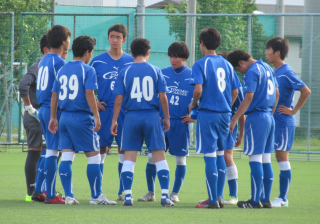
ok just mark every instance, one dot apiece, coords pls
pixel 237 55
pixel 140 47
pixel 82 44
pixel 211 38
pixel 279 44
pixel 57 34
pixel 120 28
pixel 44 43
pixel 178 49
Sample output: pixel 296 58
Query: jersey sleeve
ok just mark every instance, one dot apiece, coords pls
pixel 55 87
pixel 119 86
pixel 91 79
pixel 196 74
pixel 250 82
pixel 161 84
pixel 235 82
pixel 294 82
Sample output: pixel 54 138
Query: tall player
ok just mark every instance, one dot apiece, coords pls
pixel 142 86
pixel 261 96
pixel 277 50
pixel 107 66
pixel 212 76
pixel 74 92
pixel 179 93
pixel 59 41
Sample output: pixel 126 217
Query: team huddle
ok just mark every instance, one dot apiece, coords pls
pixel 141 103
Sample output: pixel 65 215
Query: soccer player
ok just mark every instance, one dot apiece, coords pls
pixel 142 86
pixel 215 87
pixel 107 66
pixel 28 88
pixel 74 92
pixel 261 94
pixel 277 50
pixel 179 93
pixel 59 41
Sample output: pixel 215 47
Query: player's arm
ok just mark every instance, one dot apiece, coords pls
pixel 53 124
pixel 196 96
pixel 242 108
pixel 91 99
pixel 234 93
pixel 277 100
pixel 116 111
pixel 305 93
pixel 242 119
pixel 165 109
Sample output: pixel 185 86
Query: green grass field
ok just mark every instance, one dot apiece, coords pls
pixel 303 196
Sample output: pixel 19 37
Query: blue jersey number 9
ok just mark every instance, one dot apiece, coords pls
pixel 270 85
pixel 147 89
pixel 73 86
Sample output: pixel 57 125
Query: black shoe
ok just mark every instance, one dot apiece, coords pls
pixel 220 200
pixel 267 204
pixel 247 204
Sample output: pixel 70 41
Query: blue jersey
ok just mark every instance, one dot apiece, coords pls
pixel 179 91
pixel 239 99
pixel 260 80
pixel 49 66
pixel 72 81
pixel 217 78
pixel 288 82
pixel 140 84
pixel 107 70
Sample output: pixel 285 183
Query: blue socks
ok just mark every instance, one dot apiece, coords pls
pixel 267 182
pixel 179 178
pixel 65 171
pixel 50 172
pixel 121 160
pixel 94 175
pixel 151 173
pixel 164 177
pixel 211 176
pixel 256 181
pixel 127 178
pixel 285 179
pixel 40 175
pixel 232 177
pixel 221 166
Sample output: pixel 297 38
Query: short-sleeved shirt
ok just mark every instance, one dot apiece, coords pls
pixel 48 69
pixel 260 80
pixel 239 98
pixel 140 84
pixel 107 70
pixel 73 80
pixel 216 75
pixel 288 83
pixel 179 91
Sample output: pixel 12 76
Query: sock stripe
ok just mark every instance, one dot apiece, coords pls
pixel 255 188
pixel 210 193
pixel 94 186
pixel 52 184
pixel 285 196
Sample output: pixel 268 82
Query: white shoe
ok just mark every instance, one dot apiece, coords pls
pixel 102 200
pixel 121 197
pixel 174 197
pixel 148 197
pixel 279 203
pixel 71 201
pixel 232 201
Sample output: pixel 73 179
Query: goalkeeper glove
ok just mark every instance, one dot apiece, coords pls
pixel 33 112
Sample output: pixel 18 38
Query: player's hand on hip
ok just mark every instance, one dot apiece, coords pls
pixel 233 123
pixel 53 126
pixel 187 119
pixel 100 106
pixel 97 124
pixel 166 124
pixel 114 128
pixel 239 140
pixel 285 110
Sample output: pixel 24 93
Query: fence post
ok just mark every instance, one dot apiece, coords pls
pixel 128 35
pixel 21 50
pixel 250 34
pixel 310 71
pixel 11 74
pixel 74 27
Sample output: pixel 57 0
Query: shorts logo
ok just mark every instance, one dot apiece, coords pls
pixel 276 144
pixel 45 173
pixel 184 150
pixel 40 170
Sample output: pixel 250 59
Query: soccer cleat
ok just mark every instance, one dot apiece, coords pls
pixel 280 203
pixel 232 201
pixel 121 197
pixel 247 204
pixel 220 200
pixel 148 197
pixel 71 201
pixel 101 200
pixel 38 197
pixel 267 204
pixel 128 202
pixel 28 198
pixel 202 201
pixel 166 202
pixel 109 152
pixel 55 200
pixel 207 204
pixel 174 197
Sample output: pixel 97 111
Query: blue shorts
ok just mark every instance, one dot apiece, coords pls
pixel 104 133
pixel 139 126
pixel 177 138
pixel 76 132
pixel 284 137
pixel 212 131
pixel 259 133
pixel 232 138
pixel 52 140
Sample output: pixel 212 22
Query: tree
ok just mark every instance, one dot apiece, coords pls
pixel 233 29
pixel 32 33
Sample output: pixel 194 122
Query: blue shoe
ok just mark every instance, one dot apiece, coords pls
pixel 128 202
pixel 166 202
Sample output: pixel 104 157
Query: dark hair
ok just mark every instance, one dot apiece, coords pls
pixel 178 49
pixel 57 34
pixel 224 54
pixel 81 44
pixel 279 44
pixel 44 43
pixel 140 47
pixel 237 55
pixel 210 37
pixel 120 28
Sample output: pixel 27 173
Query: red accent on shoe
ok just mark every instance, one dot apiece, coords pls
pixel 55 200
pixel 205 201
pixel 203 205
